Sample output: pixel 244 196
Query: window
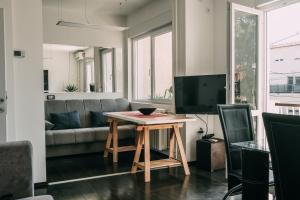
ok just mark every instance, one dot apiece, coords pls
pixel 297 80
pixel 107 57
pixel 152 66
pixel 142 65
pixel 89 74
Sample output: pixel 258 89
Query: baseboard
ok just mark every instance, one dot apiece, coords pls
pixel 40 185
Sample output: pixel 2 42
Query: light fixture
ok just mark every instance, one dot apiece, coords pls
pixel 87 24
pixel 90 26
pixel 273 4
pixel 268 3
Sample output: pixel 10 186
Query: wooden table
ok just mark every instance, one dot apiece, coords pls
pixel 145 124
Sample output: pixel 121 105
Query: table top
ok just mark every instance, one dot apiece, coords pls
pixel 252 145
pixel 154 118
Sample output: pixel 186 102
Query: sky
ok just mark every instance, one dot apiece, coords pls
pixel 283 22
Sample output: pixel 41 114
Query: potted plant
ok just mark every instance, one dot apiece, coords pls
pixel 92 87
pixel 71 88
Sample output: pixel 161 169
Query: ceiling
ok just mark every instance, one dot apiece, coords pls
pixel 58 47
pixel 108 7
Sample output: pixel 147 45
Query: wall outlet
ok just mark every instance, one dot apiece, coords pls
pixel 19 54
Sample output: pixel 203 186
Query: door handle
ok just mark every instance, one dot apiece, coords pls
pixel 2 110
pixel 2 100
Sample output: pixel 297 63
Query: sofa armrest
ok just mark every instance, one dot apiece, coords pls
pixel 16 169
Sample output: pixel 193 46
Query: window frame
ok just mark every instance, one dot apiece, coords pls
pixel 91 62
pixel 102 75
pixel 152 34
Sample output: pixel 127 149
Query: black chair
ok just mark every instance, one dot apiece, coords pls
pixel 255 178
pixel 255 167
pixel 237 126
pixel 283 134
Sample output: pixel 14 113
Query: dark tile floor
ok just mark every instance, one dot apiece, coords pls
pixel 80 166
pixel 166 184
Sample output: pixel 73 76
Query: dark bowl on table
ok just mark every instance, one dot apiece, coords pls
pixel 147 111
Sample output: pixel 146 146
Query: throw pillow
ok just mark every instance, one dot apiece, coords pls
pixel 48 125
pixel 98 119
pixel 67 120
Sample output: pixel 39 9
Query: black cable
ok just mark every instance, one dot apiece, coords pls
pixel 206 124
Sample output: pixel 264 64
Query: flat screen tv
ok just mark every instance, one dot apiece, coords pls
pixel 199 94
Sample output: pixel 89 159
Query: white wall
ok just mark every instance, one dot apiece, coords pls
pixel 28 80
pixel 220 36
pixel 81 95
pixel 200 59
pixel 153 15
pixel 10 85
pixel 54 34
pixel 205 48
pixel 199 33
pixel 62 69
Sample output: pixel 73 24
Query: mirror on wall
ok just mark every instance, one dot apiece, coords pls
pixel 82 69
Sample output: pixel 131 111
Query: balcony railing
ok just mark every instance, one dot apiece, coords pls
pixel 288 108
pixel 285 88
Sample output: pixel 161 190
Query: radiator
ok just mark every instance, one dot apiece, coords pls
pixel 159 139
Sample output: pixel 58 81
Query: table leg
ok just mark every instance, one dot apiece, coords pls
pixel 147 154
pixel 138 151
pixel 115 141
pixel 181 150
pixel 172 144
pixel 108 140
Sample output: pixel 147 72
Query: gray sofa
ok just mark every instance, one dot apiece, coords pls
pixel 16 172
pixel 86 139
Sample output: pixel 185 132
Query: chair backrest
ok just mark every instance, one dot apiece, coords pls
pixel 255 178
pixel 16 169
pixel 237 126
pixel 283 133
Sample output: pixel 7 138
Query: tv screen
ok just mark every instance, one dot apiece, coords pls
pixel 199 94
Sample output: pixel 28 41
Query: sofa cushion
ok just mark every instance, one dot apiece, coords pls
pixel 69 120
pixel 122 104
pixel 77 105
pixel 49 137
pixel 125 131
pixel 98 119
pixel 91 105
pixel 62 136
pixel 55 106
pixel 108 105
pixel 83 135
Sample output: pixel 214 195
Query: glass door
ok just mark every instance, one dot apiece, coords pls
pixel 246 61
pixel 108 71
